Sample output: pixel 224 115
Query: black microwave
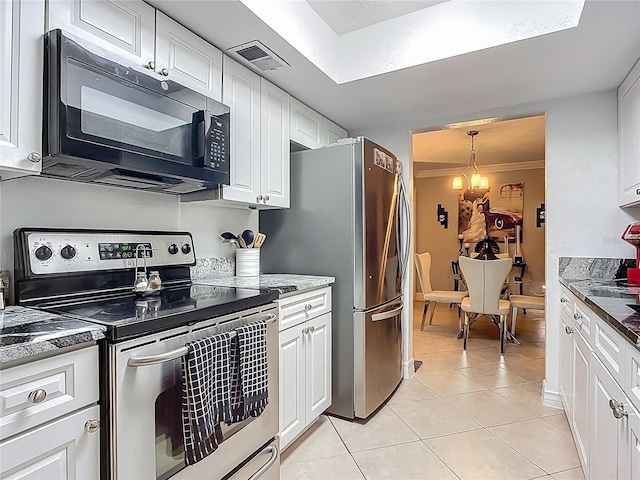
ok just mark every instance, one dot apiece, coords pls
pixel 109 123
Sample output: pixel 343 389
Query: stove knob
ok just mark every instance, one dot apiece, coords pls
pixel 186 248
pixel 68 252
pixel 43 253
pixel 173 249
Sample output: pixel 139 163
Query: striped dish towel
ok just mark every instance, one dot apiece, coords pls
pixel 205 395
pixel 249 387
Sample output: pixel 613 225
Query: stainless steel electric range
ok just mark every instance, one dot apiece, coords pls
pixel 137 285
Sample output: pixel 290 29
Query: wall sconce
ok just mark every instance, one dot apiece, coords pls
pixel 443 216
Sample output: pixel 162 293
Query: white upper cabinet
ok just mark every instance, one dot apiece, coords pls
pixel 306 125
pixel 312 130
pixel 187 58
pixel 629 138
pixel 134 30
pixel 274 145
pixel 241 92
pixel 125 27
pixel 332 132
pixel 21 57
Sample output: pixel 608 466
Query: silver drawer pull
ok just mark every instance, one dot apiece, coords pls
pixel 266 466
pixel 37 396
pixel 92 426
pixel 308 307
pixel 312 329
pixel 564 300
pixel 144 360
pixel 577 316
pixel 568 330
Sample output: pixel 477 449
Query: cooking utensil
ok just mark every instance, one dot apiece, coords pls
pixel 260 238
pixel 229 237
pixel 248 238
pixel 241 242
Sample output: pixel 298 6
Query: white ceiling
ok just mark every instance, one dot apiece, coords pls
pixel 348 15
pixel 501 142
pixel 596 55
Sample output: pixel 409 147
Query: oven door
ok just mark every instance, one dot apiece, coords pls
pixel 145 406
pixel 109 113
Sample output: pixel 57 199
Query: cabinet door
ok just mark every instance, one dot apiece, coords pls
pixel 187 59
pixel 63 449
pixel 566 365
pixel 241 92
pixel 628 138
pixel 292 384
pixel 629 445
pixel 580 393
pixel 605 427
pixel 332 132
pixel 306 125
pixel 21 54
pixel 274 145
pixel 124 27
pixel 318 365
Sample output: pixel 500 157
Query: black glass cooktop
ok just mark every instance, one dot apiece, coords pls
pixel 131 315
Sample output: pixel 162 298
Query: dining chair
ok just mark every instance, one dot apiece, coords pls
pixel 485 279
pixel 525 302
pixel 432 297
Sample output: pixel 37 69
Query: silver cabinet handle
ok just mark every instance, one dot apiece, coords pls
pixel 266 198
pixel 568 330
pixel 305 331
pixel 638 191
pixel 164 72
pixel 151 65
pixel 577 316
pixel 312 329
pixel 266 466
pixel 92 426
pixel 564 300
pixel 259 198
pixel 384 315
pixel 617 409
pixel 37 396
pixel 308 307
pixel 34 157
pixel 144 360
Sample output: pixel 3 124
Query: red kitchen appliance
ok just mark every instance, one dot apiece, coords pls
pixel 632 236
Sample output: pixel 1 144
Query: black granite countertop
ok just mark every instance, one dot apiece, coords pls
pixel 26 333
pixel 613 300
pixel 283 283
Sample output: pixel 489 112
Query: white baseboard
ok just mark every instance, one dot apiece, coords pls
pixel 408 369
pixel 550 398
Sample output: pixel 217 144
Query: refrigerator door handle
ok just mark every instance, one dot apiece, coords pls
pixel 385 315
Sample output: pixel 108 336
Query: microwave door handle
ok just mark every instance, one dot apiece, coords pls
pixel 200 140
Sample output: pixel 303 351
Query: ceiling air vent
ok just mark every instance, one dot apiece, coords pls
pixel 259 55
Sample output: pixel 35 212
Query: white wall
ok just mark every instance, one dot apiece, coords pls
pixel 581 184
pixel 42 202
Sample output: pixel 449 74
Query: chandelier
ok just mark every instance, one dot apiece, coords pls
pixel 471 174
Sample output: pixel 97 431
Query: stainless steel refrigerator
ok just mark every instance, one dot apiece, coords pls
pixel 344 221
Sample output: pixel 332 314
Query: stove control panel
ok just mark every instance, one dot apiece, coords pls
pixel 66 252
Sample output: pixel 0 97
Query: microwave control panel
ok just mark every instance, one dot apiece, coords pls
pixel 218 143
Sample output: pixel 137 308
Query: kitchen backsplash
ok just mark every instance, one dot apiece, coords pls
pixel 576 268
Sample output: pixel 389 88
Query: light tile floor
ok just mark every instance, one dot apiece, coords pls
pixel 462 415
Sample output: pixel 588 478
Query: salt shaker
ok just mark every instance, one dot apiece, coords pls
pixel 154 280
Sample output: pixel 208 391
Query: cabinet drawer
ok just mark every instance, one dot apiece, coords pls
pixel 583 320
pixel 609 346
pixel 566 302
pixel 40 391
pixel 631 372
pixel 304 306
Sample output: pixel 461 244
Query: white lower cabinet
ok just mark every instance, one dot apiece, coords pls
pixel 604 422
pixel 49 418
pixel 305 366
pixel 68 448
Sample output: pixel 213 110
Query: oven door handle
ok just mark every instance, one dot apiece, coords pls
pixel 145 360
pixel 266 466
